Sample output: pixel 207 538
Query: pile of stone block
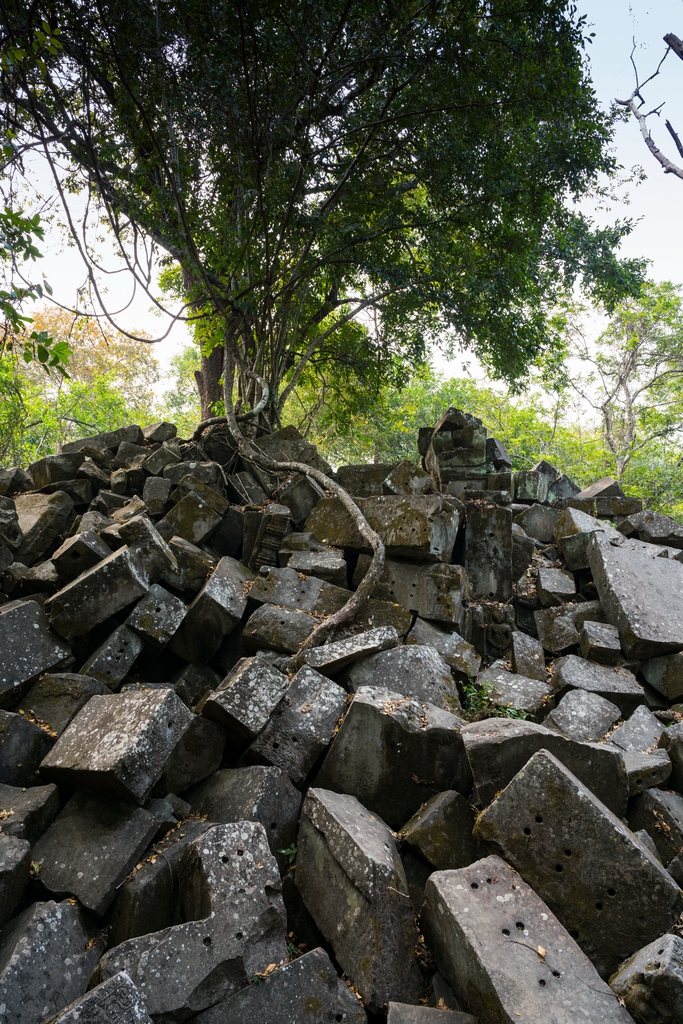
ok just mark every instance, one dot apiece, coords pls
pixel 466 806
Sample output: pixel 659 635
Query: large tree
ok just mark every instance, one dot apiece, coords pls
pixel 333 184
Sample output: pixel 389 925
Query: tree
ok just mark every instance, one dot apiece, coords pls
pixel 636 102
pixel 635 380
pixel 337 182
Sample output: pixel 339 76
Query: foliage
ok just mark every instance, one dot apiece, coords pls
pixel 181 401
pixel 336 184
pixel 290 853
pixel 478 704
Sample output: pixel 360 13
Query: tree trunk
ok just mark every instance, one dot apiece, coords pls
pixel 208 381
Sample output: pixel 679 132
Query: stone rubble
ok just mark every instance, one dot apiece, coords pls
pixel 465 806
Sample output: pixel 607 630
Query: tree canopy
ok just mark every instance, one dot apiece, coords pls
pixel 333 185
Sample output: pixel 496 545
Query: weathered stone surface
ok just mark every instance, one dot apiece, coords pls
pixel 437 592
pixel 28 647
pixel 582 861
pixel 113 660
pixel 442 831
pixel 160 432
pixel 46 958
pixel 488 551
pixel 307 991
pixel 640 733
pixel 506 956
pixel 527 656
pixel 646 770
pixel 230 890
pixel 197 754
pixel 404 1013
pixel 157 617
pixel 530 486
pixel 330 659
pixel 15 861
pixel 509 689
pixel 420 526
pixel 191 518
pixel 661 815
pixel 653 527
pixel 205 474
pixel 583 716
pixel 116 999
pixel 14 480
pixel 394 752
pixel 56 698
pixel 413 671
pixel 538 521
pixel 492 628
pixel 300 728
pixel 665 674
pixel 257 793
pixel 642 596
pixel 26 813
pixel 554 587
pixel 23 745
pixel 364 481
pixel 460 656
pixel 606 487
pixel 79 553
pixel 353 883
pixel 599 642
pixel 572 532
pixel 53 468
pixel 523 549
pixel 617 685
pixel 671 740
pixel 42 518
pixel 300 494
pixel 215 611
pixel 244 701
pixel 408 478
pixel 193 681
pixel 498 748
pixel 193 566
pixel 119 744
pixel 289 445
pixel 156 494
pixel 324 565
pixel 278 629
pixel 110 440
pixel 149 899
pixel 559 628
pixel 651 982
pixel 90 848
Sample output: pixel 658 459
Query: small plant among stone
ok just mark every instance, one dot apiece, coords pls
pixel 478 704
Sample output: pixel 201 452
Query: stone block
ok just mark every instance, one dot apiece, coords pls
pixel 671 740
pixel 364 481
pixel 26 813
pixel 263 533
pixel 646 769
pixel 394 752
pixel 530 485
pixel 192 681
pixel 408 478
pixel 653 527
pixel 245 489
pixel 405 1013
pixel 197 754
pixel 492 628
pixel 546 817
pixel 46 957
pixel 641 595
pixel 555 587
pixel 15 862
pixel 324 565
pixel 28 647
pixel 228 538
pixel 301 726
pixel 562 488
pixel 230 889
pixel 157 617
pixel 246 698
pixel 115 999
pixel 498 748
pixel 14 480
pixel 215 611
pixel 160 432
pixel 599 642
pixel 497 454
pixel 114 659
pixel 421 526
pixel 572 532
pixel 583 716
pixel 191 518
pixel 209 474
pixel 437 592
pixel 506 955
pixel 527 656
pixel 559 629
pixel 23 745
pixel 331 658
pixel 54 468
pixel 91 846
pixel 79 553
pixel 55 700
pixel 289 445
pixel 442 831
pixel 107 441
pixel 353 883
pixel 277 629
pixel 665 674
pixel 42 518
pixel 156 494
pixel 193 566
pixel 511 690
pixel 640 733
pixel 119 745
pixel 307 991
pixel 412 671
pixel 460 656
pixel 661 815
pixel 300 494
pixel 617 685
pixel 650 983
pixel 488 551
pixel 538 521
pixel 256 793
pixel 212 495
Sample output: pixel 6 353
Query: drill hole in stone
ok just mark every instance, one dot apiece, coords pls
pixel 240 853
pixel 207 940
pixel 273 824
pixel 573 932
pixel 506 931
pixel 558 867
pixel 539 818
pixel 541 982
pixel 294 739
pixel 659 952
pixel 598 906
pixel 474 885
pixel 611 892
pixel 556 974
pixel 488 881
pixel 224 859
pixel 567 853
pixel 527 831
pixel 275 745
pixel 519 926
pixel 239 935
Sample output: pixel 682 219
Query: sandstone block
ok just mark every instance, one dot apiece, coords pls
pixel 617 685
pixel 215 611
pixel 15 862
pixel 42 518
pixel 26 813
pixel 413 671
pixel 57 697
pixel 28 647
pixel 650 983
pixel 438 592
pixel 23 745
pixel 115 999
pixel 583 716
pixel 246 698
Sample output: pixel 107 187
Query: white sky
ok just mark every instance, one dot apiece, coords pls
pixel 656 203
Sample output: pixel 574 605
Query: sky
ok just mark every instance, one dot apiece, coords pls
pixel 656 204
